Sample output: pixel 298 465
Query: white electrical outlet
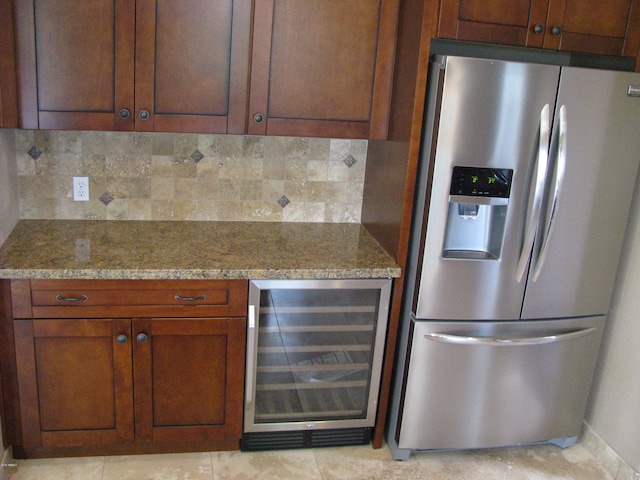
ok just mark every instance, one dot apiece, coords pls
pixel 81 189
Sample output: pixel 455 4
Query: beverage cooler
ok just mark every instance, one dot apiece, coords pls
pixel 314 357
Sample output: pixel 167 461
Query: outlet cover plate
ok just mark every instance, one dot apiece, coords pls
pixel 81 189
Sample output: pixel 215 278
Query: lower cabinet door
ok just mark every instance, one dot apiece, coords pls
pixel 75 382
pixel 189 376
pixel 118 381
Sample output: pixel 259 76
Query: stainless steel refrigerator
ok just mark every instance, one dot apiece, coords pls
pixel 525 186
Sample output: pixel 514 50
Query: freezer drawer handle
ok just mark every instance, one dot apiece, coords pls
pixel 495 341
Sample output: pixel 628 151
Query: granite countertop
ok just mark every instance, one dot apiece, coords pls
pixel 84 249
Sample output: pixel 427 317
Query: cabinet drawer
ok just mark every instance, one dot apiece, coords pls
pixel 129 298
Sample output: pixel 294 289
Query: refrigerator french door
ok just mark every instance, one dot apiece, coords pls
pixel 526 179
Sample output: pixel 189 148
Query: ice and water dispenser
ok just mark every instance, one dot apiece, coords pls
pixel 478 202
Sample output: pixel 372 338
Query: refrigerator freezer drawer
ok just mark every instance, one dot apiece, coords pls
pixel 488 384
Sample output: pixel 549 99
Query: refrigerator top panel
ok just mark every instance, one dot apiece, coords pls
pixel 573 272
pixel 488 116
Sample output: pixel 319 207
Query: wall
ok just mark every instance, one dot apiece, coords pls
pixel 8 184
pixel 613 415
pixel 154 176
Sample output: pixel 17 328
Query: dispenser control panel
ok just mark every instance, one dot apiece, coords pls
pixel 481 182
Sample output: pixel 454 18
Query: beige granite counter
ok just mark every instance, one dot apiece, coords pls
pixel 83 249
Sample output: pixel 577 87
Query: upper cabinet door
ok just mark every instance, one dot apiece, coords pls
pixel 594 26
pixel 75 63
pixel 8 104
pixel 322 67
pixel 505 22
pixel 192 64
pixel 586 26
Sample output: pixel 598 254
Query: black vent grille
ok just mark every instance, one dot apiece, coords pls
pixel 305 439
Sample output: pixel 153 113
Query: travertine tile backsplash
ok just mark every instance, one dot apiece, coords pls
pixel 158 176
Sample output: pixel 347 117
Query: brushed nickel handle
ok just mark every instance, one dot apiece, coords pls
pixel 258 118
pixel 124 113
pixel 190 299
pixel 559 144
pixel 121 339
pixel 539 176
pixel 538 29
pixel 497 341
pixel 82 298
pixel 556 31
pixel 143 114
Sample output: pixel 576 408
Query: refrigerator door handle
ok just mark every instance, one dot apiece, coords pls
pixel 496 341
pixel 560 143
pixel 538 181
pixel 251 353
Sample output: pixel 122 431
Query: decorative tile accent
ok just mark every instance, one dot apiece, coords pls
pixel 283 201
pixel 197 156
pixel 350 161
pixel 106 198
pixel 34 152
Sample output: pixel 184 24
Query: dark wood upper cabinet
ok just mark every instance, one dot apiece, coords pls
pixel 78 61
pixel 584 26
pixel 322 68
pixel 8 103
pixel 278 67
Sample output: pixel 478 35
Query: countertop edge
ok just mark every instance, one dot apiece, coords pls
pixel 182 274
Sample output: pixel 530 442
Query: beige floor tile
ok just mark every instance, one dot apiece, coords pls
pixel 470 464
pixel 85 468
pixel 179 466
pixel 548 462
pixel 364 462
pixel 271 465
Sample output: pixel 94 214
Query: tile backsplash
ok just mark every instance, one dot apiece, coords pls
pixel 165 176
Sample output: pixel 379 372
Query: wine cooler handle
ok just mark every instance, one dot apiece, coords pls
pixel 252 354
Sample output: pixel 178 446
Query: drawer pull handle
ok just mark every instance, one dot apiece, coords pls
pixel 142 337
pixel 122 339
pixel 189 299
pixel 71 299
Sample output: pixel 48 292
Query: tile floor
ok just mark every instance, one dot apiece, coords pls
pixel 520 463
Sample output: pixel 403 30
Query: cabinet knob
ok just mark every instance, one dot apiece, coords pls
pixel 258 118
pixel 122 339
pixel 124 114
pixel 143 114
pixel 142 337
pixel 556 30
pixel 538 29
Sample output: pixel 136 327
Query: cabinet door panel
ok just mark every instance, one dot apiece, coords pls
pixel 194 395
pixel 192 64
pixel 72 33
pixel 505 22
pixel 189 379
pixel 76 63
pixel 590 26
pixel 8 103
pixel 75 382
pixel 318 68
